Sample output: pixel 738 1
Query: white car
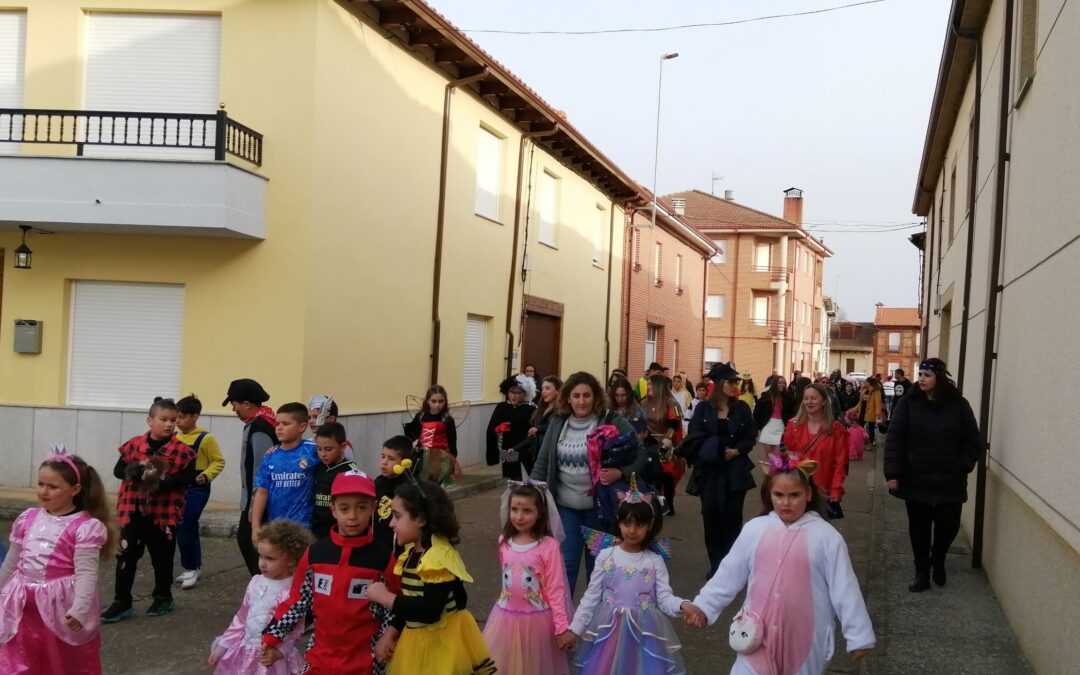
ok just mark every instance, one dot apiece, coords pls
pixel 857 378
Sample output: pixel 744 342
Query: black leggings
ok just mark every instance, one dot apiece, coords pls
pixel 666 484
pixel 138 536
pixel 871 430
pixel 722 528
pixel 932 530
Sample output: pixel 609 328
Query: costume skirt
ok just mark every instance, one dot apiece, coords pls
pixel 630 642
pixel 244 658
pixel 35 649
pixel 772 432
pixel 524 643
pixel 455 647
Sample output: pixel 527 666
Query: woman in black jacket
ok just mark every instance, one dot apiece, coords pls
pixel 932 445
pixel 774 408
pixel 721 435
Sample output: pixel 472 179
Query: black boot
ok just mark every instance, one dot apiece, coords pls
pixel 939 573
pixel 921 582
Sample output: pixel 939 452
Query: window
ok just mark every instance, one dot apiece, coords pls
pixel 598 237
pixel 151 62
pixel 548 197
pixel 714 307
pixel 658 253
pixel 1027 49
pixel 892 367
pixel 488 161
pixel 761 257
pixel 894 342
pixel 12 58
pixel 678 273
pixel 714 355
pixel 674 356
pixel 651 333
pixel 760 316
pixel 472 379
pixel 635 249
pixel 721 256
pixel 119 358
pixel 918 345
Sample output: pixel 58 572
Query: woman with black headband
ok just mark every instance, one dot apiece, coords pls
pixel 932 445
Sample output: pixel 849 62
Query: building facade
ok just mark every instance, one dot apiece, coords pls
pixel 663 292
pixel 362 206
pixel 851 348
pixel 897 341
pixel 1000 258
pixel 764 309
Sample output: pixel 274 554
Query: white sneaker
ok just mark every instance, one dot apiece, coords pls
pixel 184 576
pixel 190 582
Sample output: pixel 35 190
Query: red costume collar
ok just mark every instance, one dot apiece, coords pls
pixel 351 542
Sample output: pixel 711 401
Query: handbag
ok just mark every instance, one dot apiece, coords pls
pixel 747 629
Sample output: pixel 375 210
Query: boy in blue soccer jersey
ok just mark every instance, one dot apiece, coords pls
pixel 285 481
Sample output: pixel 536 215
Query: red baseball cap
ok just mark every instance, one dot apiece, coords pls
pixel 353 483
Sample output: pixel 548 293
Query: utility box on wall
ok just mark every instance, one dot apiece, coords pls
pixel 27 336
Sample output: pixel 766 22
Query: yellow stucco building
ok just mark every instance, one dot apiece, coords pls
pixel 353 161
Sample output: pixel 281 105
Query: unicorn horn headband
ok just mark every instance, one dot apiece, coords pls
pixel 633 495
pixel 58 454
pixel 782 462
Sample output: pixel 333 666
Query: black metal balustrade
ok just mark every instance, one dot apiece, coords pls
pixel 214 131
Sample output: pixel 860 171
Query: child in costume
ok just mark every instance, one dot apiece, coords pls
pixel 48 583
pixel 396 451
pixel 434 431
pixel 239 649
pixel 856 434
pixel 332 581
pixel 608 449
pixel 797 574
pixel 508 428
pixel 532 608
pixel 209 462
pixel 440 636
pixel 621 618
pixel 330 444
pixel 156 470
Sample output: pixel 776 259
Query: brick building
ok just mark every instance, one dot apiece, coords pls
pixel 898 341
pixel 851 347
pixel 764 306
pixel 663 292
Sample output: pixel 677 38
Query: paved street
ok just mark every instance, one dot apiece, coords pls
pixel 907 624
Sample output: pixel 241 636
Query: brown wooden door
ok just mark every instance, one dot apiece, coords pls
pixel 540 346
pixel 850 366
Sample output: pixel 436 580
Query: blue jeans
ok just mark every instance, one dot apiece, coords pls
pixel 574 544
pixel 187 530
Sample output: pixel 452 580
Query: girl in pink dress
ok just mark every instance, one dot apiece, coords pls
pixel 532 609
pixel 49 602
pixel 239 650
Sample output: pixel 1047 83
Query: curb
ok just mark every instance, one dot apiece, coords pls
pixel 876 579
pixel 224 524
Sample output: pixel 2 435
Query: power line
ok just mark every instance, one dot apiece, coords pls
pixel 879 231
pixel 659 29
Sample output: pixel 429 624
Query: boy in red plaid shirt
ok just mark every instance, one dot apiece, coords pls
pixel 155 470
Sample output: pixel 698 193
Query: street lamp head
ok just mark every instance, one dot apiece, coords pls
pixel 669 56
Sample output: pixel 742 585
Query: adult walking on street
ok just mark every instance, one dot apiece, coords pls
pixel 247 398
pixel 773 410
pixel 663 418
pixel 725 434
pixel 563 463
pixel 871 407
pixel 815 434
pixel 932 445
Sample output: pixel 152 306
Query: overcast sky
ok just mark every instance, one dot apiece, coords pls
pixel 834 103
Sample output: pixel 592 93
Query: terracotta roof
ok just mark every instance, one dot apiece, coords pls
pixel 907 317
pixel 709 212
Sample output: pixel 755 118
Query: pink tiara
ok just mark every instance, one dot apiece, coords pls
pixel 58 454
pixel 782 462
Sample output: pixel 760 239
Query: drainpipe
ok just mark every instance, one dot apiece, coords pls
pixel 994 291
pixel 704 308
pixel 735 296
pixel 517 234
pixel 928 261
pixel 607 306
pixel 781 309
pixel 628 288
pixel 972 192
pixel 440 221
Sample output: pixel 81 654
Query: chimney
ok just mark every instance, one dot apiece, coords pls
pixel 679 205
pixel 729 195
pixel 793 205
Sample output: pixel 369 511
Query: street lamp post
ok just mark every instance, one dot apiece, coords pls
pixel 656 149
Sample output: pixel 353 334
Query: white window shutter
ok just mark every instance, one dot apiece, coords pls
pixel 125 343
pixel 165 63
pixel 12 64
pixel 488 154
pixel 549 207
pixel 472 385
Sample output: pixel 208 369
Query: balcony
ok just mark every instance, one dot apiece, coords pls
pixel 132 173
pixel 775 273
pixel 775 328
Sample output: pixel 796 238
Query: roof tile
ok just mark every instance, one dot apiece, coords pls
pixel 901 317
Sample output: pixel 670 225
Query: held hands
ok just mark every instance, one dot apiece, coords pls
pixel 692 616
pixel 384 648
pixel 566 641
pixel 609 476
pixel 380 594
pixel 270 656
pixel 730 454
pixel 72 623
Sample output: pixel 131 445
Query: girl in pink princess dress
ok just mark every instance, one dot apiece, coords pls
pixel 239 650
pixel 857 436
pixel 49 602
pixel 532 609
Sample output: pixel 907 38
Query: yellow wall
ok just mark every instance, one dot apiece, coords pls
pixel 337 298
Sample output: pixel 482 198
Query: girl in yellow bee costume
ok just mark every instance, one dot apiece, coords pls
pixel 440 636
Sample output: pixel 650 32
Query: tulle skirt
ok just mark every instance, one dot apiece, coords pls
pixel 35 648
pixel 630 642
pixel 243 659
pixel 772 432
pixel 454 648
pixel 523 643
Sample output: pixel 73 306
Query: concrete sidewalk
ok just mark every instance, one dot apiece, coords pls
pixel 958 628
pixel 220 519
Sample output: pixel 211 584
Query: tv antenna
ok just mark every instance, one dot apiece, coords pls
pixel 716 178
